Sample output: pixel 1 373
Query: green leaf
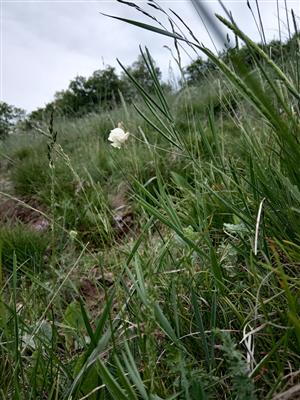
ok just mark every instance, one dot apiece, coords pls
pixel 164 323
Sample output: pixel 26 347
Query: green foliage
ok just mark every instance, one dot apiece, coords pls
pixel 9 117
pixel 28 245
pixel 139 71
pixel 243 387
pixel 99 92
pixel 200 70
pixel 198 298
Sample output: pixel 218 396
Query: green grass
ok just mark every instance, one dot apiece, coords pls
pixel 198 298
pixel 28 246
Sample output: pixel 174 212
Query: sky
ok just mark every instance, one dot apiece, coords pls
pixel 46 43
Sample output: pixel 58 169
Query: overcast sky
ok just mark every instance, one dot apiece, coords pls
pixel 44 44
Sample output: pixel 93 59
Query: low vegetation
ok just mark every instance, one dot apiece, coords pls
pixel 168 268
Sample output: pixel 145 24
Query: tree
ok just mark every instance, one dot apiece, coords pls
pixel 99 91
pixel 198 69
pixel 103 88
pixel 139 71
pixel 86 95
pixel 9 117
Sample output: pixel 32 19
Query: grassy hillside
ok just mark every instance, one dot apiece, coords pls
pixel 168 268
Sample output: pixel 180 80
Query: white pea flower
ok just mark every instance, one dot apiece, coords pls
pixel 117 136
pixel 73 234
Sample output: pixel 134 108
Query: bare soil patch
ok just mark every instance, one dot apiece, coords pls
pixel 25 211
